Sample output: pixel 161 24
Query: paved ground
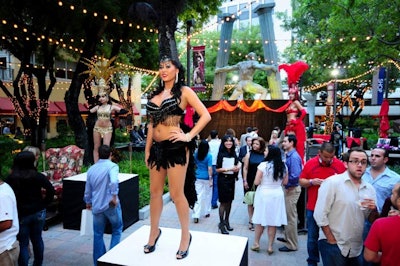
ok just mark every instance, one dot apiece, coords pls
pixel 67 247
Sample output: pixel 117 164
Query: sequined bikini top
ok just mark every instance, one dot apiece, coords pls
pixel 104 114
pixel 168 107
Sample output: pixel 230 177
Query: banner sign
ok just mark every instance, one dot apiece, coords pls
pixel 331 93
pixel 378 86
pixel 199 80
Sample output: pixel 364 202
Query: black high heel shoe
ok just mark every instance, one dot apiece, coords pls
pixel 222 229
pixel 148 249
pixel 228 227
pixel 183 254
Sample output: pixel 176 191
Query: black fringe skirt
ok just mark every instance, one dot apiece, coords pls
pixel 166 154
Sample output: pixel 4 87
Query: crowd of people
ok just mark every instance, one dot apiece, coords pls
pixel 354 196
pixel 352 208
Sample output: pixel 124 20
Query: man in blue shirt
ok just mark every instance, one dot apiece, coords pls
pixel 382 179
pixel 292 193
pixel 101 196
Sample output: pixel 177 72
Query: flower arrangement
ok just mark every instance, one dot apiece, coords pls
pixel 385 144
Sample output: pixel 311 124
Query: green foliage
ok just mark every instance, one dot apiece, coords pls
pixel 349 34
pixel 61 141
pixel 8 148
pixel 395 168
pixel 121 136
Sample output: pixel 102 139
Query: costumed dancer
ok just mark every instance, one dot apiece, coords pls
pixel 103 128
pixel 295 112
pixel 169 150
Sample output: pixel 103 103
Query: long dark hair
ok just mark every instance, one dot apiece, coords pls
pixel 23 167
pixel 275 156
pixel 203 150
pixel 176 89
pixel 223 149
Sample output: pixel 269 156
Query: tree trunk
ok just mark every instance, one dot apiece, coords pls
pixel 82 131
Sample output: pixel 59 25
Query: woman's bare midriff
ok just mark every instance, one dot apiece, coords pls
pixel 291 117
pixel 163 130
pixel 103 123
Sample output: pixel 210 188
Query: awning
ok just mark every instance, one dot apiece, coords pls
pixel 6 106
pixel 60 108
pixel 54 109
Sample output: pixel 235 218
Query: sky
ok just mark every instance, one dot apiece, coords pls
pixel 282 37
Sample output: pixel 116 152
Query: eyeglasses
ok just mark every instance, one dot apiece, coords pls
pixel 356 162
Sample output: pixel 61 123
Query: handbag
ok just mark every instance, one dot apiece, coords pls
pixel 86 223
pixel 249 196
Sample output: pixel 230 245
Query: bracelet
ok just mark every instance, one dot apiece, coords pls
pixel 187 137
pixel 244 181
pixel 311 182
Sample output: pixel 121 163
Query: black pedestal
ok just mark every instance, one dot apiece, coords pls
pixel 73 191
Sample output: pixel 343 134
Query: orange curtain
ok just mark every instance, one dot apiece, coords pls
pixel 257 104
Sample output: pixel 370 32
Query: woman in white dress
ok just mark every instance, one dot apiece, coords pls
pixel 269 201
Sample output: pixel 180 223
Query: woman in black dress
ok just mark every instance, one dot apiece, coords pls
pixel 227 168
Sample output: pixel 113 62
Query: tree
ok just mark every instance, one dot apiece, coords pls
pixel 164 16
pixel 351 35
pixel 97 23
pixel 22 21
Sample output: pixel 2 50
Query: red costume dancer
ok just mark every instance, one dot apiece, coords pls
pixel 295 112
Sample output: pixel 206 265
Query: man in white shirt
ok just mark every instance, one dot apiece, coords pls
pixel 343 204
pixel 9 226
pixel 214 144
pixel 245 135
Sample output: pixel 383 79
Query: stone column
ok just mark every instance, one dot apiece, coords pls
pixel 223 55
pixel 264 12
pixel 311 101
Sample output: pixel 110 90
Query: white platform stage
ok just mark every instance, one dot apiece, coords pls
pixel 206 249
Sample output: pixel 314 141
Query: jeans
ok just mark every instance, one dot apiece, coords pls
pixel 331 256
pixel 31 227
pixel 214 198
pixel 114 216
pixel 312 239
pixel 367 227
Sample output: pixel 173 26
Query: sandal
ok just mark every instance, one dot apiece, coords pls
pixel 255 248
pixel 251 226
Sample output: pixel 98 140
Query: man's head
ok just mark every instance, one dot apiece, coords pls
pixel 249 129
pixel 326 153
pixel 357 163
pixel 248 140
pixel 213 134
pixel 104 152
pixel 289 142
pixel 395 197
pixel 379 158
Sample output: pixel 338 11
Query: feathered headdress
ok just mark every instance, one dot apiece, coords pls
pixel 294 71
pixel 101 72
